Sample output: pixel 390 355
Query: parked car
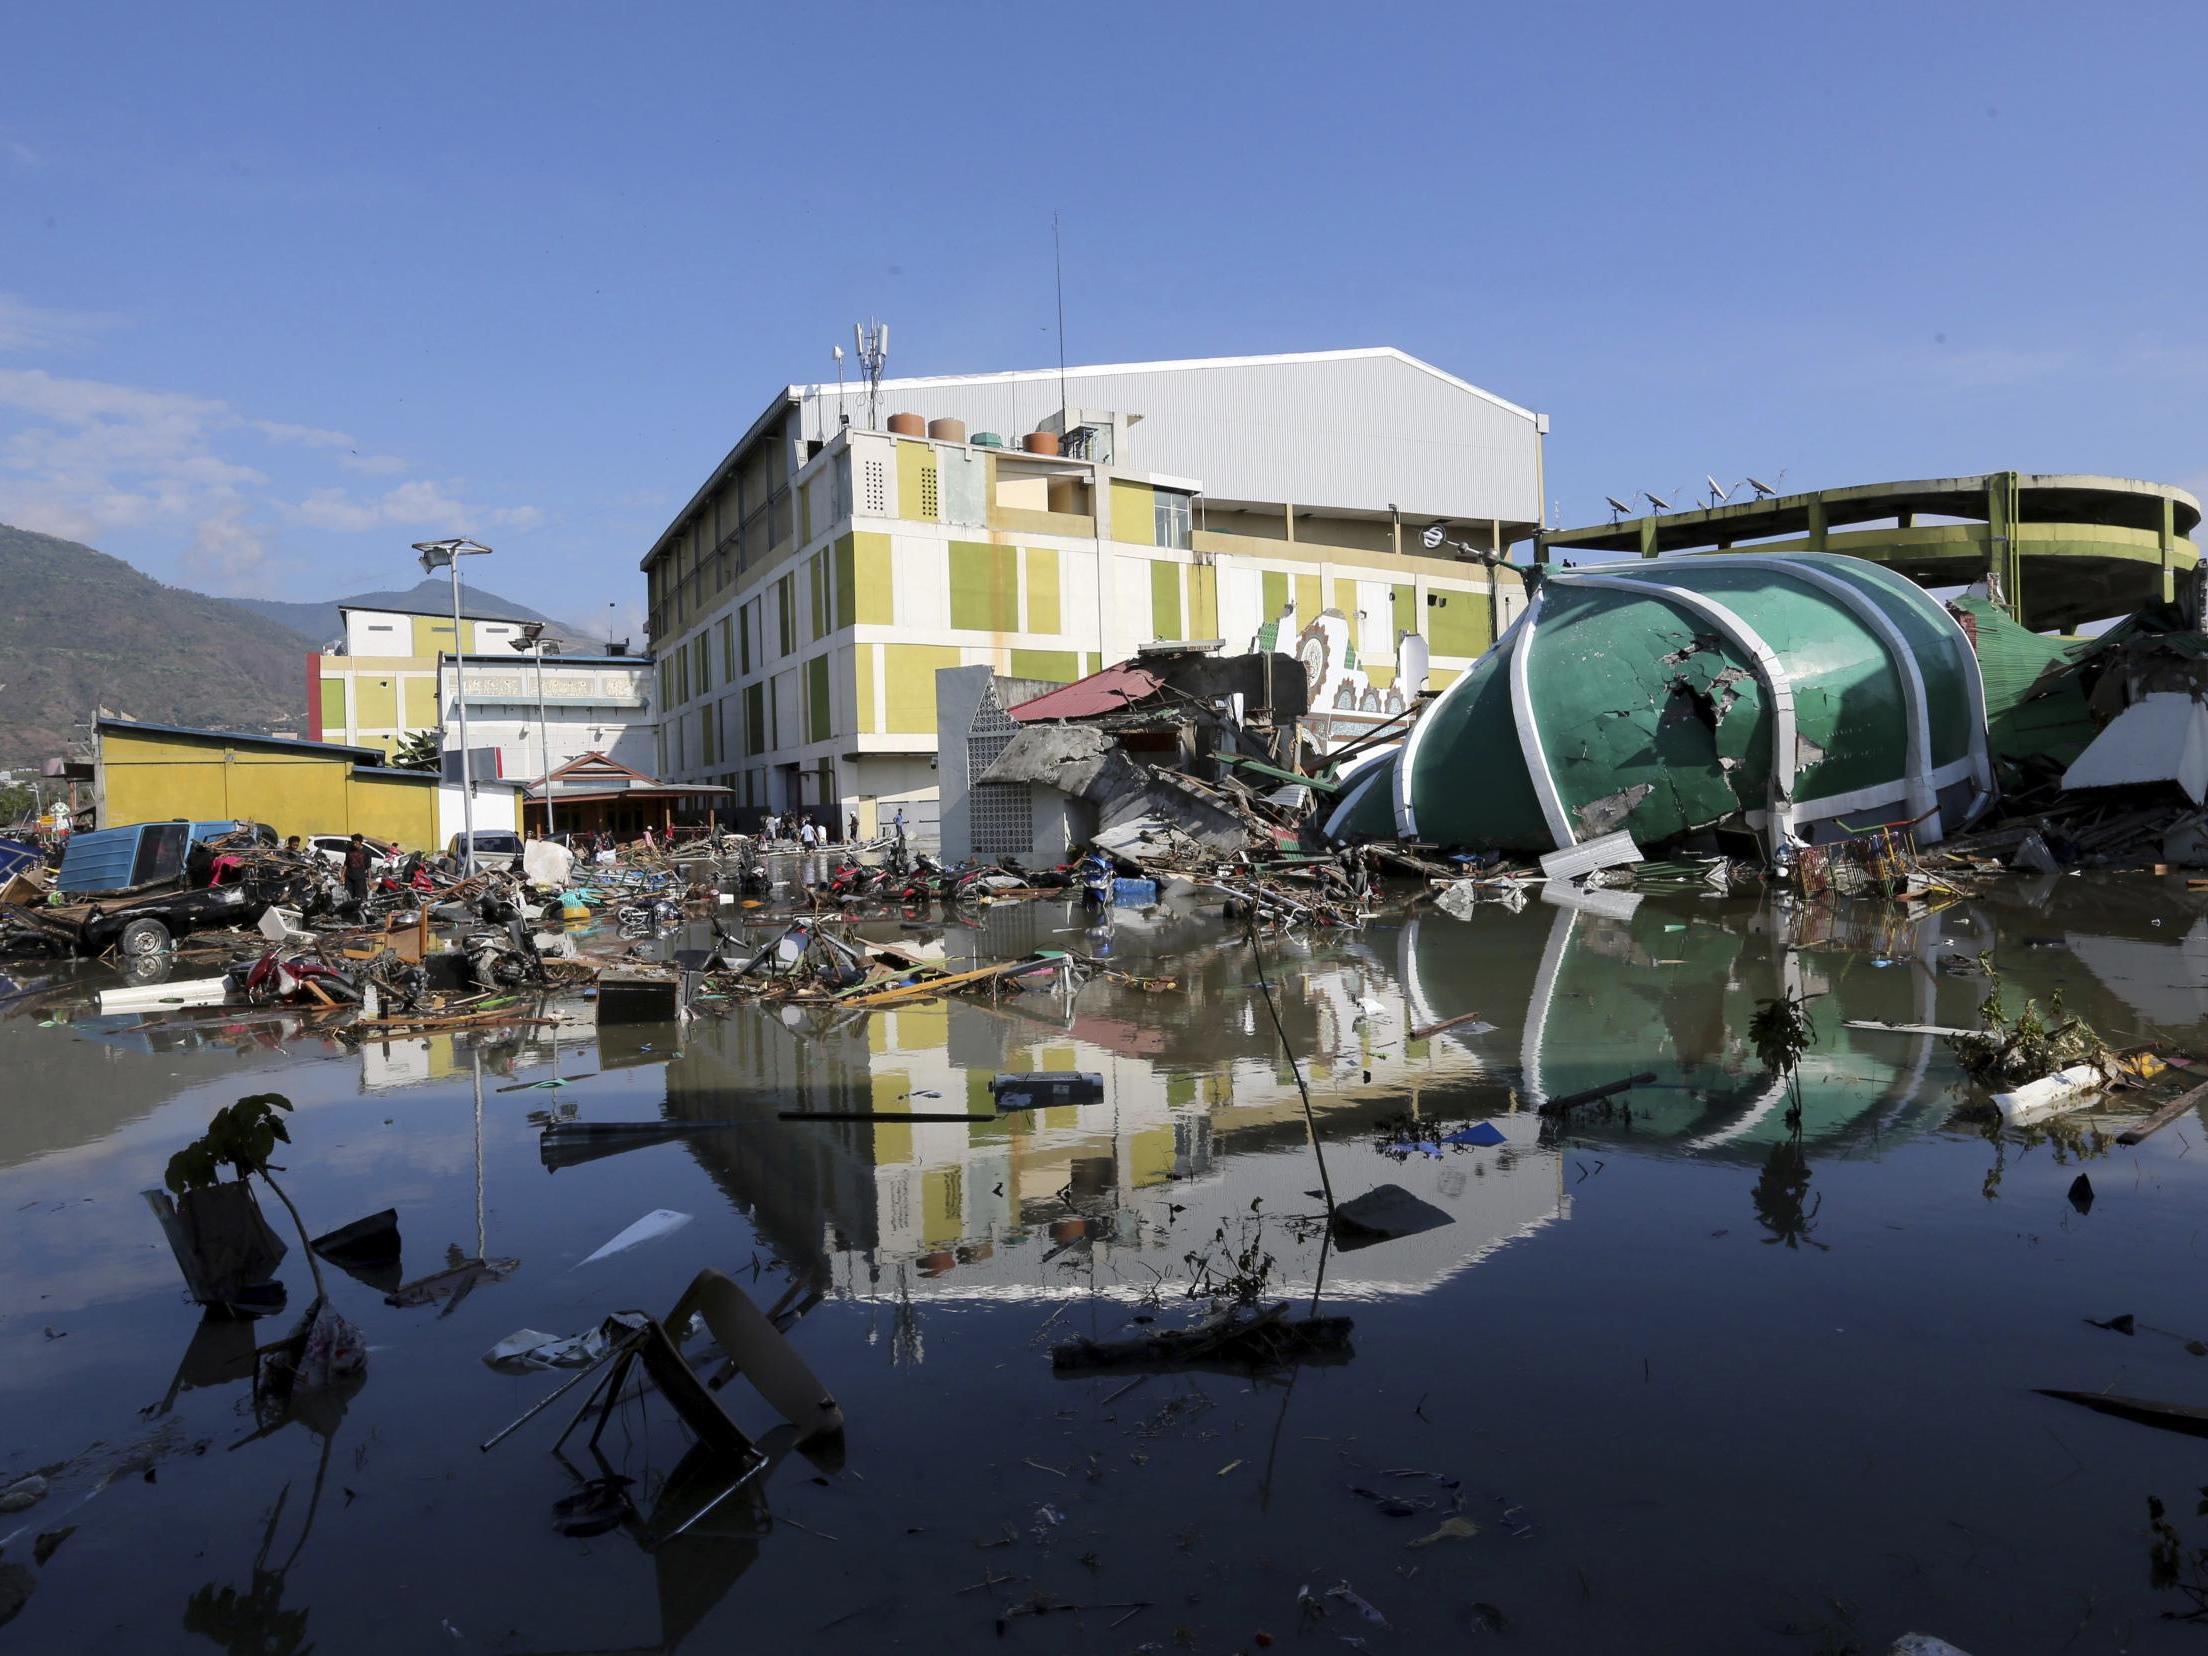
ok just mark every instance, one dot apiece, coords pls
pixel 334 846
pixel 494 847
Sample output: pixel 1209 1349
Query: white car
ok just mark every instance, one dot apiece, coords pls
pixel 334 846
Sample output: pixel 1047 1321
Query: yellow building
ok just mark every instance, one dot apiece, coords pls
pixel 805 598
pixel 154 772
pixel 380 685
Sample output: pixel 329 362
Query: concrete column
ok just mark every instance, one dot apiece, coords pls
pixel 1648 537
pixel 1288 516
pixel 2168 540
pixel 1816 523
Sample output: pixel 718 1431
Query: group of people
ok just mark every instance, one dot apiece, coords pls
pixel 814 836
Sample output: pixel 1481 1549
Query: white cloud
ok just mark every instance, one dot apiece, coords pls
pixel 28 327
pixel 89 459
pixel 372 465
pixel 419 503
pixel 227 552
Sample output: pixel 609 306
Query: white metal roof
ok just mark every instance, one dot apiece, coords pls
pixel 1356 430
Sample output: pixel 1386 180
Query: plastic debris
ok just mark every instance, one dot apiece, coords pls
pixel 655 1224
pixel 1457 1528
pixel 1384 1213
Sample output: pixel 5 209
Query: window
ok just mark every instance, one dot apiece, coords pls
pixel 1170 518
pixel 876 481
pixel 701 648
pixel 931 494
pixel 747 624
pixel 728 648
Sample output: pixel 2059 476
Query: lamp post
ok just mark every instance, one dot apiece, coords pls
pixel 532 638
pixel 447 554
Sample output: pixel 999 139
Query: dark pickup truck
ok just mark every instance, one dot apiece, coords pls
pixel 137 889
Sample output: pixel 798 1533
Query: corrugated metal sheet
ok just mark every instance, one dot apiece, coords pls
pixel 1354 430
pixel 1112 691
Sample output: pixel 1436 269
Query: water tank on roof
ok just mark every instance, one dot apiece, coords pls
pixel 908 425
pixel 947 430
pixel 988 439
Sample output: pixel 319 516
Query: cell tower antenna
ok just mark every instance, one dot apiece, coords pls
pixel 872 339
pixel 1058 267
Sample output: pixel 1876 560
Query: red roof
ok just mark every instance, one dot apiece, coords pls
pixel 1112 691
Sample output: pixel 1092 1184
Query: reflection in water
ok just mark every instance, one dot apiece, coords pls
pixel 1199 1121
pixel 1195 1146
pixel 1784 1206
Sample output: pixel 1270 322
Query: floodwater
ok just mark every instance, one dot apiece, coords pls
pixel 1699 1384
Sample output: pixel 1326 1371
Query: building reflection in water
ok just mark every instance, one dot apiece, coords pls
pixel 1199 1124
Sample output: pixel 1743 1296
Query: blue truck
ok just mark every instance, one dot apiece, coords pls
pixel 137 889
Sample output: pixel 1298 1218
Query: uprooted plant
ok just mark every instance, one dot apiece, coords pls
pixel 241 1137
pixel 325 1348
pixel 1781 1031
pixel 2012 1049
pixel 1239 1272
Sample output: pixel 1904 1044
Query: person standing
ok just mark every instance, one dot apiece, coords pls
pixel 358 860
pixel 853 837
pixel 897 824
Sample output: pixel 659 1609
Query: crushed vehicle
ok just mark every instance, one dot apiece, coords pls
pixel 140 887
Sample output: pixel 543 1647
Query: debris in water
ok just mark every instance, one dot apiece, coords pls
pixel 655 1224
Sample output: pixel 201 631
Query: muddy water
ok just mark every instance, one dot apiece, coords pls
pixel 1700 1383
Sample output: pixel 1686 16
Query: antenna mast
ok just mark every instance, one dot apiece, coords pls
pixel 873 343
pixel 1058 264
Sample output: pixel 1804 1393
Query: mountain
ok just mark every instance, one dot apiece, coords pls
pixel 81 630
pixel 319 624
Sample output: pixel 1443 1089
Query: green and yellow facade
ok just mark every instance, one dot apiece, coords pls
pixel 798 650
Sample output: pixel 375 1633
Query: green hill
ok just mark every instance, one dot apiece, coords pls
pixel 80 630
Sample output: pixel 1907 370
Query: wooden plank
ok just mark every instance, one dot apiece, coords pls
pixel 2181 1105
pixel 1557 1106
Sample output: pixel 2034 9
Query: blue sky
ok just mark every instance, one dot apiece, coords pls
pixel 287 288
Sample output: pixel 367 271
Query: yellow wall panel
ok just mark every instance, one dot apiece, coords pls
pixel 375 702
pixel 908 674
pixel 420 703
pixel 1058 666
pixel 1165 599
pixel 432 636
pixel 862 662
pixel 1308 600
pixel 333 708
pixel 1203 601
pixel 402 812
pixel 872 582
pixel 1042 589
pixel 918 493
pixel 1133 506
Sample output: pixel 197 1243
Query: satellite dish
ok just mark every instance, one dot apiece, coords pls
pixel 1660 504
pixel 1764 491
pixel 1617 505
pixel 1716 494
pixel 1433 537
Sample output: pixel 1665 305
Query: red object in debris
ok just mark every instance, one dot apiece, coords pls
pixel 1111 691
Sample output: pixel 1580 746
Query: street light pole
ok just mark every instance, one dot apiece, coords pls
pixel 532 637
pixel 448 553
